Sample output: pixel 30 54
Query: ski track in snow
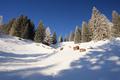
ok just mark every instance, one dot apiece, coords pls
pixel 26 60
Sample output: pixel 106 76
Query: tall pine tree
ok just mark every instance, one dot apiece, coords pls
pixel 77 38
pixel 47 39
pixel 28 31
pixel 54 38
pixel 13 30
pixel 8 26
pixel 40 33
pixel 71 37
pixel 100 26
pixel 20 25
pixel 85 32
pixel 116 24
pixel 60 39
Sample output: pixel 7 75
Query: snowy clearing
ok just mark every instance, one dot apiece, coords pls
pixel 26 60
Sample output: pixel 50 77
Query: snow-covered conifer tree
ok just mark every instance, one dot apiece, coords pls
pixel 85 32
pixel 77 38
pixel 47 39
pixel 71 37
pixel 99 25
pixel 116 24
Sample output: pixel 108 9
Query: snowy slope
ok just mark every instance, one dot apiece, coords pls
pixel 14 45
pixel 26 60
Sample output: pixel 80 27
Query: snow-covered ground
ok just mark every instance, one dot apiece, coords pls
pixel 26 60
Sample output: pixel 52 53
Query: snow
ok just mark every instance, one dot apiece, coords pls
pixel 26 60
pixel 14 45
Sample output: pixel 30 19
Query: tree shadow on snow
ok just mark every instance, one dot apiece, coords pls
pixel 25 74
pixel 96 65
pixel 12 57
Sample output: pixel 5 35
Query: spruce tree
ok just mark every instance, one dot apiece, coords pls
pixel 8 26
pixel 60 39
pixel 29 31
pixel 13 30
pixel 47 39
pixel 3 29
pixel 100 26
pixel 116 24
pixel 71 37
pixel 94 21
pixel 24 23
pixel 85 32
pixel 77 38
pixel 40 33
pixel 54 38
pixel 19 26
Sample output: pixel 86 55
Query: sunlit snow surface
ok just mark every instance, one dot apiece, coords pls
pixel 26 60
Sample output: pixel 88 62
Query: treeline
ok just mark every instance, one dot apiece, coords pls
pixel 97 28
pixel 80 34
pixel 24 28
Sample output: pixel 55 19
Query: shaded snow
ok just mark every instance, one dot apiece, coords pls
pixel 26 60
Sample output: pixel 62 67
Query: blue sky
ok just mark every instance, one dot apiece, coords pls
pixel 60 15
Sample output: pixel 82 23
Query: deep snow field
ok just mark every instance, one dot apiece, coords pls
pixel 26 60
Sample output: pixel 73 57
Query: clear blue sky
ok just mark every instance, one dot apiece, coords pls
pixel 60 15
